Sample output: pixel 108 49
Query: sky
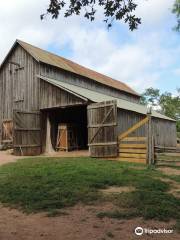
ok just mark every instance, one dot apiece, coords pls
pixel 147 57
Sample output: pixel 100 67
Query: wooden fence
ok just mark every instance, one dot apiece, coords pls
pixel 135 148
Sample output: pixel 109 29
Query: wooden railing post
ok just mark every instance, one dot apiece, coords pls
pixel 150 145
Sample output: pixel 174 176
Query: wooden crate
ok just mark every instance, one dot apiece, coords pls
pixel 67 137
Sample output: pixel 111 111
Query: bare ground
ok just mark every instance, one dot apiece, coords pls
pixel 114 189
pixel 79 223
pixel 169 170
pixel 7 157
pixel 174 186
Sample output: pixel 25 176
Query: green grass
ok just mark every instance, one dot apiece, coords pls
pixel 110 234
pixel 175 178
pixel 177 226
pixel 147 204
pixel 49 184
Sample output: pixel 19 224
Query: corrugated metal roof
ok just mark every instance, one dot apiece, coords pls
pixel 99 97
pixel 60 62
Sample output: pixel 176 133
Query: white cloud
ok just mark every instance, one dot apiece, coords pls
pixel 177 72
pixel 138 62
pixel 153 12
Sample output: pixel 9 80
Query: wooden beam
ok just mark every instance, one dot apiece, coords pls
pixel 162 147
pixel 27 129
pixel 133 128
pixel 132 146
pixel 7 141
pixel 99 106
pixel 135 160
pixel 102 125
pixel 131 150
pixel 102 144
pixel 134 139
pixel 14 63
pixel 25 146
pixel 25 112
pixel 133 155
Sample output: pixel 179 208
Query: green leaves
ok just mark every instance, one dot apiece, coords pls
pixel 113 10
pixel 168 104
pixel 176 11
pixel 151 96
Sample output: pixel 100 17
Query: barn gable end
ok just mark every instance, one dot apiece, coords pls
pixel 19 87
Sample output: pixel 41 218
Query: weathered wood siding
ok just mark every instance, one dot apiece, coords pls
pixel 19 89
pixel 164 131
pixel 27 133
pixel 63 76
pixel 1 106
pixel 52 96
pixel 127 119
pixel 102 129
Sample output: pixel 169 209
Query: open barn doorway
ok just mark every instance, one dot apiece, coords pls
pixel 67 128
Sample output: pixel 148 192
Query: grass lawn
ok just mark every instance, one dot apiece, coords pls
pixel 48 184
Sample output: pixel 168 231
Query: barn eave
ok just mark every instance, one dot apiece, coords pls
pixel 99 97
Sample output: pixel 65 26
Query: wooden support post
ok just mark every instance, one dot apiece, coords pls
pixel 153 152
pixel 150 145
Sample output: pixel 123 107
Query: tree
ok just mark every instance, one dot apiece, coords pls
pixel 151 96
pixel 113 10
pixel 176 11
pixel 165 102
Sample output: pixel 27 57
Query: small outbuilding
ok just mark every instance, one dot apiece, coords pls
pixel 51 103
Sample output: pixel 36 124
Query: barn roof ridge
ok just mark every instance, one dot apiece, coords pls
pixel 55 60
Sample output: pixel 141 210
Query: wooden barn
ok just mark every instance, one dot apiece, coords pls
pixel 50 102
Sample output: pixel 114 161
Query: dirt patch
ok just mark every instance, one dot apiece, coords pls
pixel 138 167
pixel 174 186
pixel 80 223
pixel 79 153
pixel 169 170
pixel 111 190
pixel 7 157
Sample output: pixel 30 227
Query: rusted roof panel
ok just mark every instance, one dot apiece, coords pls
pixel 60 62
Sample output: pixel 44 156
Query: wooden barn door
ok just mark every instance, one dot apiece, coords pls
pixel 102 129
pixel 27 133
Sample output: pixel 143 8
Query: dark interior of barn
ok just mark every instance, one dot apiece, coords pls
pixel 68 128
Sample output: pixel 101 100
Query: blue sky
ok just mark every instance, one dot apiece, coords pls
pixel 143 58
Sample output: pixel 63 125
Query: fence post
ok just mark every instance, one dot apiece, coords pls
pixel 150 150
pixel 153 151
